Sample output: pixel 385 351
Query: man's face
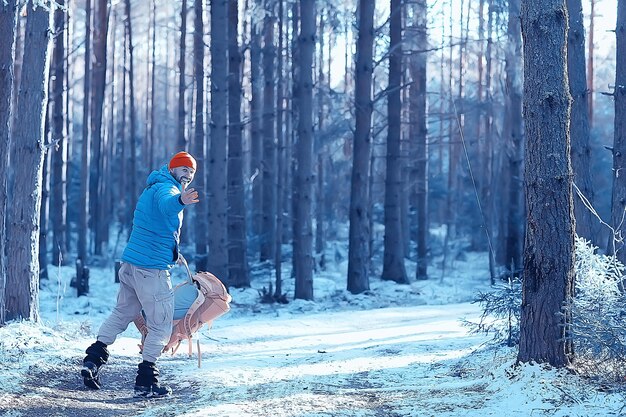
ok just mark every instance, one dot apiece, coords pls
pixel 183 175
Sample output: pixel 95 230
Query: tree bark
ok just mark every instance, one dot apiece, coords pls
pixel 393 262
pixel 256 137
pixel 618 210
pixel 22 291
pixel 579 124
pixel 237 243
pixel 217 193
pixel 549 247
pixel 8 28
pixel 182 141
pixel 305 179
pixel 83 216
pixel 132 168
pixel 58 175
pixel 201 212
pixel 359 235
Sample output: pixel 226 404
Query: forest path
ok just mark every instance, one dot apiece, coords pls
pixel 383 362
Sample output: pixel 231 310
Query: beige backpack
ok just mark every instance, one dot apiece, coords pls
pixel 211 302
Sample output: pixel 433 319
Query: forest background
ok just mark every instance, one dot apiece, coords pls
pixel 400 119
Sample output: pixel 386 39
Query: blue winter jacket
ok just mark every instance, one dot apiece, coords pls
pixel 157 220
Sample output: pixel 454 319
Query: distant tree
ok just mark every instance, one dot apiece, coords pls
pixel 268 231
pixel 22 290
pixel 238 275
pixel 417 31
pixel 83 215
pixel 393 262
pixel 58 151
pixel 548 279
pixel 202 217
pixel 616 245
pixel 217 193
pixel 181 140
pixel 256 137
pixel 513 136
pixel 132 166
pixel 579 124
pixel 97 181
pixel 280 155
pixel 358 252
pixel 8 27
pixel 303 234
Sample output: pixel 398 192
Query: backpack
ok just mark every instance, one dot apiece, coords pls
pixel 212 301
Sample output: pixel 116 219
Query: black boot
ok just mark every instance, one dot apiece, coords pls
pixel 97 355
pixel 147 382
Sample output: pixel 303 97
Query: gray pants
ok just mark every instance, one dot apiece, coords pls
pixel 144 289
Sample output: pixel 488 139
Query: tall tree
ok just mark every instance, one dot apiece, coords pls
pixel 181 140
pixel 58 174
pixel 393 261
pixel 513 140
pixel 96 206
pixel 22 291
pixel 201 213
pixel 268 231
pixel 237 251
pixel 8 27
pixel 83 216
pixel 132 166
pixel 579 124
pixel 305 179
pixel 418 130
pixel 280 155
pixel 618 210
pixel 358 252
pixel 549 247
pixel 217 193
pixel 256 138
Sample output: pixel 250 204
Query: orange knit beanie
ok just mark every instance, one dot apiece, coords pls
pixel 182 159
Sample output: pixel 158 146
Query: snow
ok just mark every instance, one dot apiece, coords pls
pixel 397 350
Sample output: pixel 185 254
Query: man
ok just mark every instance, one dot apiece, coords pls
pixel 145 283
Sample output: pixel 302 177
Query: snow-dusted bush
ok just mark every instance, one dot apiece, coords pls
pixel 598 312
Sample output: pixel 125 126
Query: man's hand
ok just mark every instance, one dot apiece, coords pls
pixel 188 196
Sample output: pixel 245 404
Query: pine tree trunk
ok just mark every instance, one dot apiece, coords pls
pixel 268 231
pixel 616 245
pixel 303 233
pixel 237 250
pixel 418 131
pixel 280 155
pixel 44 210
pixel 393 263
pixel 132 168
pixel 201 212
pixel 548 256
pixel 290 149
pixel 513 139
pixel 8 27
pixel 182 141
pixel 358 252
pixel 100 35
pixel 217 193
pixel 58 175
pixel 22 290
pixel 83 216
pixel 590 61
pixel 256 138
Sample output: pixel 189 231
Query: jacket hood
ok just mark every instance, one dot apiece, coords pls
pixel 162 176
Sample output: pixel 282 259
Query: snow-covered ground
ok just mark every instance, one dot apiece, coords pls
pixel 398 350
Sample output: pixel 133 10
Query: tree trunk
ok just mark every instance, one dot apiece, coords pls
pixel 22 291
pixel 44 210
pixel 237 250
pixel 393 262
pixel 591 48
pixel 303 233
pixel 358 252
pixel 8 27
pixel 616 245
pixel 132 168
pixel 268 231
pixel 293 137
pixel 256 138
pixel 418 131
pixel 280 156
pixel 579 124
pixel 513 141
pixel 548 256
pixel 217 193
pixel 58 175
pixel 83 216
pixel 100 34
pixel 182 141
